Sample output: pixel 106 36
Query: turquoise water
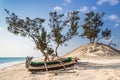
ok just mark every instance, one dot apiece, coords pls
pixel 9 61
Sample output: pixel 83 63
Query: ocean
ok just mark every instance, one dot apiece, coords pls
pixel 9 61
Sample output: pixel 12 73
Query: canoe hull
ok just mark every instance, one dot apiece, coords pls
pixel 51 67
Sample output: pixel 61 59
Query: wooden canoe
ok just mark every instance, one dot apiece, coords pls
pixel 46 66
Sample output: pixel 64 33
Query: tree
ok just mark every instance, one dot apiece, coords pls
pixel 106 34
pixel 58 26
pixel 92 25
pixel 31 28
pixel 56 29
pixel 72 22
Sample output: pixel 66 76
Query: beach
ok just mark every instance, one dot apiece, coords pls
pixel 83 70
pixel 60 40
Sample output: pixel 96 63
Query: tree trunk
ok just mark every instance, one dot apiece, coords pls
pixel 92 40
pixel 46 56
pixel 56 50
pixel 28 59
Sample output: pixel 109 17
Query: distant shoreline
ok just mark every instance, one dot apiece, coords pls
pixel 10 61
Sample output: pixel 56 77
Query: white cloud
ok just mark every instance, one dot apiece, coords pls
pixel 84 9
pixel 58 8
pixel 100 2
pixel 116 25
pixel 115 19
pixel 112 2
pixel 93 8
pixel 112 17
pixel 67 1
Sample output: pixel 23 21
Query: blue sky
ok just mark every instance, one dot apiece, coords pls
pixel 11 45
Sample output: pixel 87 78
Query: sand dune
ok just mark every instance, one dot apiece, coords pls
pixel 94 51
pixel 96 63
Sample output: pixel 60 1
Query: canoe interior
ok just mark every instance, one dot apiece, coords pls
pixel 35 64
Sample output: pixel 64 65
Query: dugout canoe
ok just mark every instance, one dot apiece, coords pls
pixel 52 65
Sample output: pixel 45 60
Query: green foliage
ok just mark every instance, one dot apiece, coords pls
pixel 92 25
pixel 72 21
pixel 106 33
pixel 62 29
pixel 31 28
pixel 50 51
pixel 57 26
pixel 34 29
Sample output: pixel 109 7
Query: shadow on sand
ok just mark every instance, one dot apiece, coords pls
pixel 88 65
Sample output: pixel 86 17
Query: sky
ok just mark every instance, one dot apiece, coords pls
pixel 17 46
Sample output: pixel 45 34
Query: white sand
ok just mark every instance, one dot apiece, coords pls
pixel 83 70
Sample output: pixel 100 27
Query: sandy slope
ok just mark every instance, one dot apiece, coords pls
pixel 94 51
pixel 83 70
pixel 97 62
